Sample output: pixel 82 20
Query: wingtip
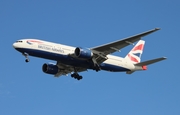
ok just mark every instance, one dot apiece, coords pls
pixel 164 57
pixel 157 28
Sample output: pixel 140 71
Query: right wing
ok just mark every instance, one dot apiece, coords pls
pixel 102 51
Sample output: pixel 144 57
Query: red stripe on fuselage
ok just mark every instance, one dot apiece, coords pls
pixel 35 41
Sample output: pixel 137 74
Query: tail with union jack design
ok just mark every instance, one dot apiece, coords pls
pixel 135 54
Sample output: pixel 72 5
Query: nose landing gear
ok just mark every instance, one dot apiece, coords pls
pixel 26 56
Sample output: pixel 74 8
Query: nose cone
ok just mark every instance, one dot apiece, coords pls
pixel 15 45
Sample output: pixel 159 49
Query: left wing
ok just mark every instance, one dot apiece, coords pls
pixel 117 45
pixel 66 69
pixel 102 51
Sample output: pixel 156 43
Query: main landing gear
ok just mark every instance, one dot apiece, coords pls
pixel 76 76
pixel 96 65
pixel 97 68
pixel 26 56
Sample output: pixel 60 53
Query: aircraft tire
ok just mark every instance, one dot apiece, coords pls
pixel 27 60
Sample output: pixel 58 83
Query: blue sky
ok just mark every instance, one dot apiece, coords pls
pixel 26 90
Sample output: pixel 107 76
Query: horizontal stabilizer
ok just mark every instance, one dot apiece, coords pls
pixel 150 61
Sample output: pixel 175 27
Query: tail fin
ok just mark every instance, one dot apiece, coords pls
pixel 135 54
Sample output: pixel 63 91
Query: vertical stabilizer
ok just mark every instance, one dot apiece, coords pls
pixel 135 54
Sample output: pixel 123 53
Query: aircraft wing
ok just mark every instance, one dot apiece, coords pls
pixel 103 50
pixel 117 45
pixel 67 69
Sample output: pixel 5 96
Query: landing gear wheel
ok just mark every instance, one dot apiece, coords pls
pixel 80 77
pixel 76 76
pixel 27 60
pixel 72 75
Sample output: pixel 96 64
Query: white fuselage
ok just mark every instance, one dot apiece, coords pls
pixel 59 52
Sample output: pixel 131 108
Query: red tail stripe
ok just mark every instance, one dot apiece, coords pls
pixel 132 58
pixel 139 47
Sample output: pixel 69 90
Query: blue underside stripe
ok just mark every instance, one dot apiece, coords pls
pixel 65 59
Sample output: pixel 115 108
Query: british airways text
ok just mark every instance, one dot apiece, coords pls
pixel 51 48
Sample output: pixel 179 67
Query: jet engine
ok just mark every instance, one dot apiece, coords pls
pixel 83 53
pixel 50 68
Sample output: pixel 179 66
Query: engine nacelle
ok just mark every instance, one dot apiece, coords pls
pixel 50 68
pixel 83 53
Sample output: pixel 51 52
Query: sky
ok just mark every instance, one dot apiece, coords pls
pixel 26 90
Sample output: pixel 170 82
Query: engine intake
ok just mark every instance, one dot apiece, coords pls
pixel 83 53
pixel 50 68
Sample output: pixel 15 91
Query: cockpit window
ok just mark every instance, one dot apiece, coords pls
pixel 19 41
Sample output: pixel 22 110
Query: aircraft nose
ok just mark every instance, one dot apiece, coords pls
pixel 15 45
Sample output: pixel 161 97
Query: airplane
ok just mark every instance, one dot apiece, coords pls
pixel 72 60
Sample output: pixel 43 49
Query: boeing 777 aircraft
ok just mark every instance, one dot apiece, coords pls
pixel 77 59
